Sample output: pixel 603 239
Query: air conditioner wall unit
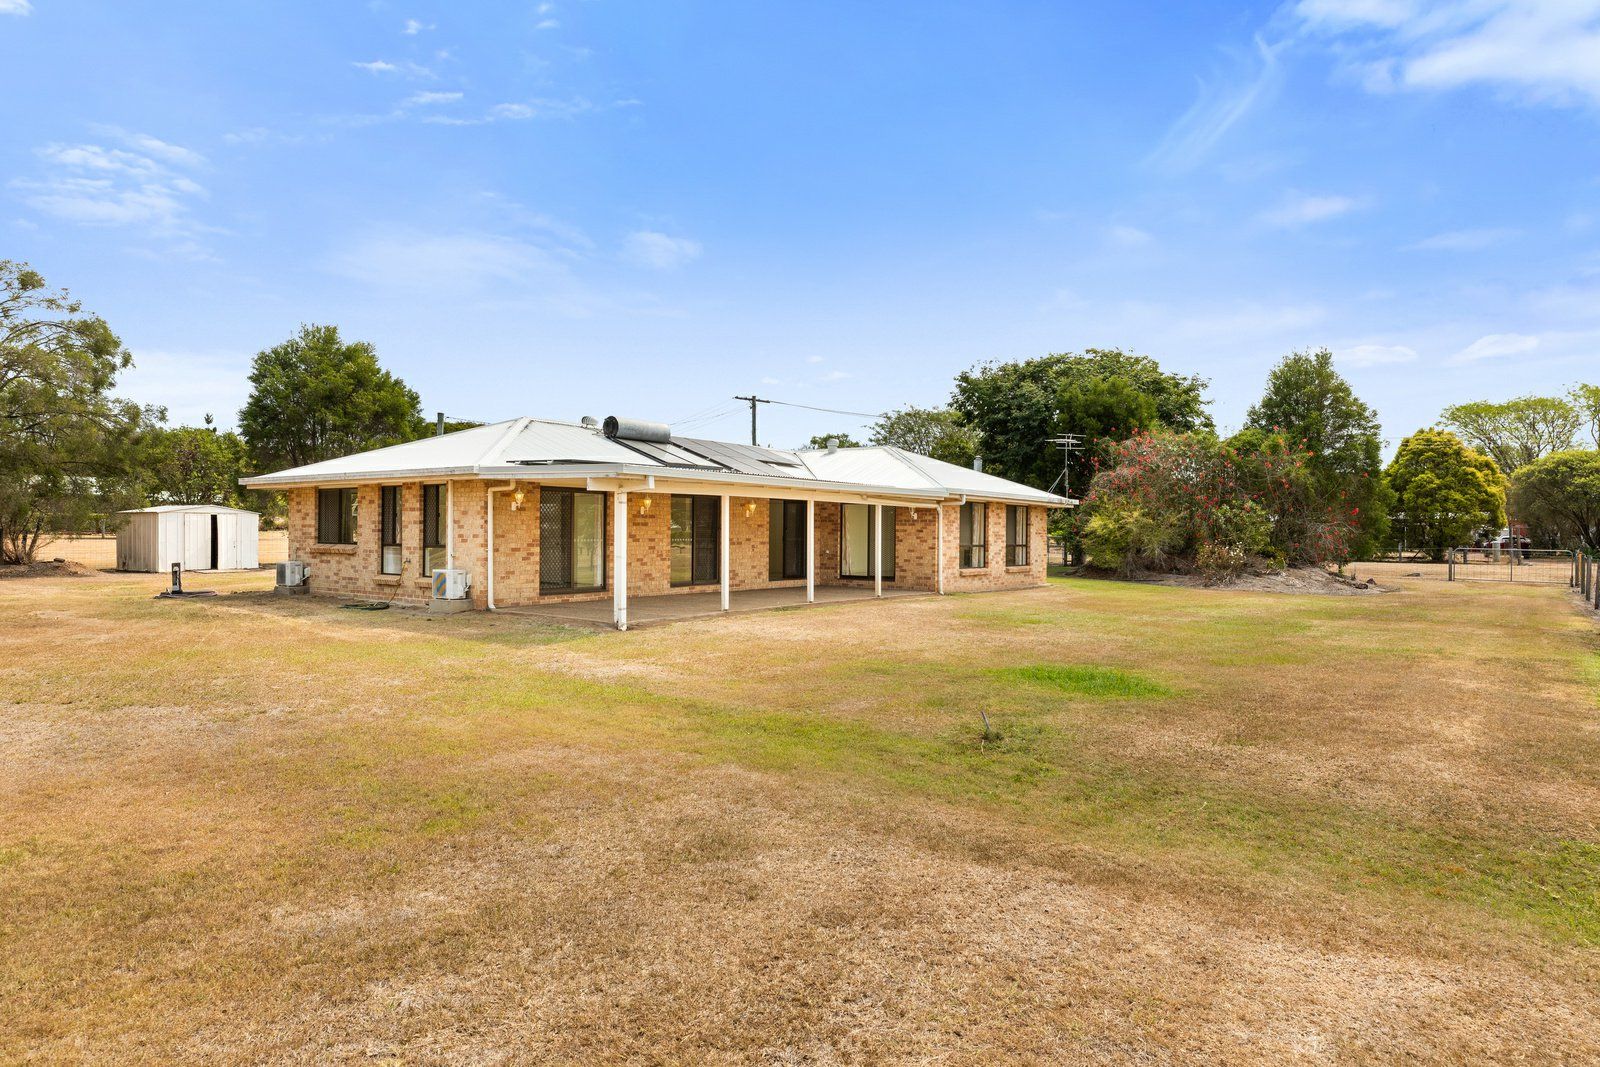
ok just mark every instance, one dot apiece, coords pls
pixel 451 583
pixel 292 572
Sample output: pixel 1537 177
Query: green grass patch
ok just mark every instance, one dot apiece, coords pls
pixel 1081 679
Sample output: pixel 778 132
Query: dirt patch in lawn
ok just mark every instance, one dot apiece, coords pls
pixel 1310 580
pixel 46 568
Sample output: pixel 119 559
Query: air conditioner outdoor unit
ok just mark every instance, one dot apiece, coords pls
pixel 450 583
pixel 292 572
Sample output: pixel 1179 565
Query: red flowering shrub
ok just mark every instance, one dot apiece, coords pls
pixel 1189 501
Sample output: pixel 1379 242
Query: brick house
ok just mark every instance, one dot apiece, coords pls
pixel 540 512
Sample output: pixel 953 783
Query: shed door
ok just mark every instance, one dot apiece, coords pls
pixel 196 542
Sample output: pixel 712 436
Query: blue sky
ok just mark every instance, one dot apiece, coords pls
pixel 592 206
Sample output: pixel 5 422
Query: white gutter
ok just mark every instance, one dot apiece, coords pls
pixel 488 510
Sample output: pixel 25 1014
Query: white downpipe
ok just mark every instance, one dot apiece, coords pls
pixel 877 550
pixel 725 561
pixel 619 561
pixel 488 549
pixel 938 515
pixel 811 551
pixel 449 525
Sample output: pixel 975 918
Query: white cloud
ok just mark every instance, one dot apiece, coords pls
pixel 835 376
pixel 1375 355
pixel 522 111
pixel 15 7
pixel 660 251
pixel 547 24
pixel 407 260
pixel 1128 236
pixel 1496 345
pixel 425 99
pixel 1220 105
pixel 404 67
pixel 1299 209
pixel 814 359
pixel 101 185
pixel 412 27
pixel 1533 50
pixel 1462 240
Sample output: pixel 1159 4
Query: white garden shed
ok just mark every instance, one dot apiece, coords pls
pixel 202 537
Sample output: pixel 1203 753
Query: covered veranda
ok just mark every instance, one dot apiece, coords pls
pixel 626 608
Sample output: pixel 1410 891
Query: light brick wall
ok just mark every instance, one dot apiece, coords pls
pixel 353 570
pixel 994 574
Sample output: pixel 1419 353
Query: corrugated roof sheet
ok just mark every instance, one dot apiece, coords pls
pixel 531 443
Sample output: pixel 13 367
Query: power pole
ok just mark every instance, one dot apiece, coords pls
pixel 754 400
pixel 1070 443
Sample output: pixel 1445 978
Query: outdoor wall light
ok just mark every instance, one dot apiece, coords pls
pixel 517 498
pixel 644 504
pixel 749 509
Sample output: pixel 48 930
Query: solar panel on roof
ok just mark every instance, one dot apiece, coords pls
pixel 669 454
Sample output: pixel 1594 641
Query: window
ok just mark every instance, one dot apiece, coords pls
pixel 974 536
pixel 786 540
pixel 858 537
pixel 1016 535
pixel 572 541
pixel 695 547
pixel 389 530
pixel 336 516
pixel 434 555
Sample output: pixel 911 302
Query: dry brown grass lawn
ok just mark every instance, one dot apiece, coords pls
pixel 1216 827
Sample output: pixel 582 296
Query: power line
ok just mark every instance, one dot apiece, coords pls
pixel 831 411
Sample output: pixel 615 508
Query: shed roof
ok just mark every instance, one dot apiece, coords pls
pixel 204 509
pixel 526 447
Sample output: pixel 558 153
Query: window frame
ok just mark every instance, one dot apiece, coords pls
pixel 345 499
pixel 973 519
pixel 1017 551
pixel 434 548
pixel 779 513
pixel 551 493
pixel 697 511
pixel 890 516
pixel 389 529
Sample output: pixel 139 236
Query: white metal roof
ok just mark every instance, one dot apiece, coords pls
pixel 204 509
pixel 531 448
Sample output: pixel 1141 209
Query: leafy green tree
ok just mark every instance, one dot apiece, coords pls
pixel 1102 410
pixel 822 439
pixel 1562 490
pixel 66 444
pixel 194 465
pixel 1444 490
pixel 936 432
pixel 1316 411
pixel 1017 407
pixel 1586 399
pixel 317 397
pixel 1516 432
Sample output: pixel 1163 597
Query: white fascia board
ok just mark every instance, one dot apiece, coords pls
pixel 587 472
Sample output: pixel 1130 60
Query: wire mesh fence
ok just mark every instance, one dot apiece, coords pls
pixel 1538 566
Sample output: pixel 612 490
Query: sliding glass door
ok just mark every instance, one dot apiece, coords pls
pixel 572 541
pixel 786 540
pixel 857 536
pixel 696 541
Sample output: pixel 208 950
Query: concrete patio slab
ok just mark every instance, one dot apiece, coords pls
pixel 658 610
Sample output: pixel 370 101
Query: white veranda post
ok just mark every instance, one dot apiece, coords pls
pixel 619 562
pixel 877 550
pixel 725 561
pixel 811 551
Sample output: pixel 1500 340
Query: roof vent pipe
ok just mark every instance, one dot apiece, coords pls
pixel 638 430
pixel 977 464
pixel 833 445
pixel 589 421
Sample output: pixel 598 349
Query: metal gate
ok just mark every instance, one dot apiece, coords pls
pixel 1536 566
